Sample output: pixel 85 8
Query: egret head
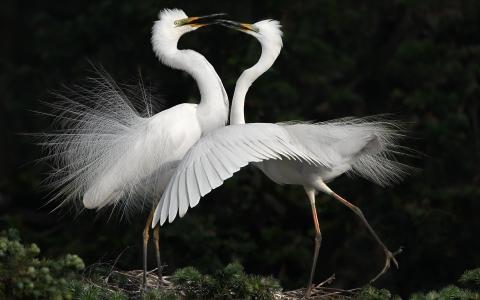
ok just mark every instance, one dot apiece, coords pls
pixel 267 32
pixel 172 24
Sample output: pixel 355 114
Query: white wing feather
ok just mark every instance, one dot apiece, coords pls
pixel 367 145
pixel 364 146
pixel 218 155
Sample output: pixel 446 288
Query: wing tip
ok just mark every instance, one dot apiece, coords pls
pixel 156 217
pixel 171 217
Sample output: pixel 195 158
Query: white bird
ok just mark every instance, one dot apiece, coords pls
pixel 363 146
pixel 106 153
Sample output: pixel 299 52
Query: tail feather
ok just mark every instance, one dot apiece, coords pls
pixel 368 146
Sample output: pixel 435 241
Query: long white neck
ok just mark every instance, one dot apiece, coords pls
pixel 212 110
pixel 267 58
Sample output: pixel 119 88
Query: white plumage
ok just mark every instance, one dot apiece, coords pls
pixel 288 153
pixel 362 146
pixel 96 123
pixel 221 153
pixel 106 153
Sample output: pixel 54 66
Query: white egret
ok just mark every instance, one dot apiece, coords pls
pixel 362 146
pixel 108 154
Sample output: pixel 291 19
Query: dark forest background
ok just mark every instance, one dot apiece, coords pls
pixel 417 59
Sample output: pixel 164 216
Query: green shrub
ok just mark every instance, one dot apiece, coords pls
pixel 156 294
pixel 372 293
pixel 471 278
pixel 450 292
pixel 191 282
pixel 24 275
pixel 228 283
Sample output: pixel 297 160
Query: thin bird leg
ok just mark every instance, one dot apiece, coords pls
pixel 156 238
pixel 146 236
pixel 389 256
pixel 318 238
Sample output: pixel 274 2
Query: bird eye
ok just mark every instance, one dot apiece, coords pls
pixel 181 22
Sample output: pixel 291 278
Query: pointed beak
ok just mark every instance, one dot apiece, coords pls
pixel 238 26
pixel 200 21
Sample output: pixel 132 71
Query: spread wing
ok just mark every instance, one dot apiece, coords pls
pixel 218 155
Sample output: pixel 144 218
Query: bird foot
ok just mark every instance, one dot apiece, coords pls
pixel 389 257
pixel 315 288
pixel 308 292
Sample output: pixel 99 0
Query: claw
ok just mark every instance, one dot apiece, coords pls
pixel 308 292
pixel 389 256
pixel 399 251
pixel 394 261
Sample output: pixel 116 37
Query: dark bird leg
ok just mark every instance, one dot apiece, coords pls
pixel 389 256
pixel 156 238
pixel 146 236
pixel 318 238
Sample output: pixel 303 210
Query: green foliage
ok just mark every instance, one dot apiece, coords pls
pixel 191 282
pixel 372 293
pixel 24 275
pixel 450 292
pixel 83 290
pixel 229 283
pixel 471 277
pixel 156 294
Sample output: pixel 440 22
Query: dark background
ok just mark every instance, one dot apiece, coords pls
pixel 417 59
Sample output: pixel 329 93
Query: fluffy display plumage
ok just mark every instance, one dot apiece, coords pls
pixel 366 147
pixel 98 124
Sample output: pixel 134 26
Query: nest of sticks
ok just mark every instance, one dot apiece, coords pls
pixel 319 291
pixel 131 283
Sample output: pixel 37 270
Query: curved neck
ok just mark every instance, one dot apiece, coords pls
pixel 267 58
pixel 213 106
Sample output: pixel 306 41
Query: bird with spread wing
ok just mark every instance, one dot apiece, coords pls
pixel 306 154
